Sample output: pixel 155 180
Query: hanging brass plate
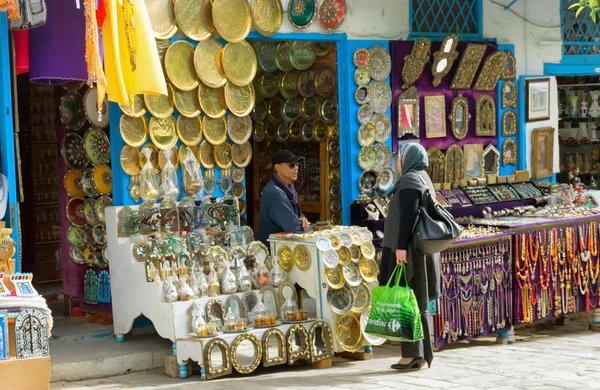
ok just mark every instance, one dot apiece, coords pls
pixel 137 108
pixel 302 258
pixel 163 132
pixel 295 130
pixel 322 48
pixel 232 19
pixel 134 131
pixel 194 18
pixel 267 16
pixel 189 130
pixel 223 155
pixel 179 65
pixel 207 155
pixel 334 278
pixel 274 110
pixel 325 81
pixel 303 55
pixel 241 154
pixel 329 111
pixel 286 260
pixel 239 129
pixel 320 132
pixel 160 106
pixel 212 101
pixel 239 63
pixel 289 84
pixel 240 100
pixel 208 64
pixel 269 84
pixel 186 102
pixel 306 83
pixel 162 18
pixel 130 160
pixel 380 63
pixel 215 130
pixel 266 57
pixel 283 56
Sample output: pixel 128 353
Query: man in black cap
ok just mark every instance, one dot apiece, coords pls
pixel 279 208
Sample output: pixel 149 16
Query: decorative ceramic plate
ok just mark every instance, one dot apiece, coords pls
pixel 361 58
pixel 344 255
pixel 336 243
pixel 75 235
pixel 186 102
pixel 101 204
pixel 323 244
pixel 99 234
pixel 383 127
pixel 91 109
pixel 77 255
pixel 238 174
pixel 72 184
pixel 367 235
pixel 97 146
pixel 239 129
pixel 302 13
pixel 379 63
pixel 380 96
pixel 215 130
pixel 334 278
pixel 89 211
pixel 223 155
pixel 385 180
pixel 331 259
pixel 332 13
pixel 189 130
pixel 365 114
pixel 160 106
pixel 302 257
pixel 137 109
pixel 163 132
pixel 286 260
pixel 102 176
pixel 362 94
pixel 367 157
pixel 384 156
pixel 134 131
pixel 366 134
pixel 362 76
pixel 87 183
pixel 368 269
pixel 241 154
pixel 368 250
pixel 346 239
pixel 362 298
pixel 351 274
pixel 73 151
pixel 74 211
pixel 89 256
pixel 341 300
pixel 71 111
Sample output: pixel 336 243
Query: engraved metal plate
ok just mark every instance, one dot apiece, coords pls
pixel 467 68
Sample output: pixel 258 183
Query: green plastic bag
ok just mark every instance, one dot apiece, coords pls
pixel 395 313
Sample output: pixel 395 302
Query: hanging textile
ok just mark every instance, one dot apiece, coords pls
pixel 21 38
pixel 131 59
pixel 32 13
pixel 10 7
pixel 92 54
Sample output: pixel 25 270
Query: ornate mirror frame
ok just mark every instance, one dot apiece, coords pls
pixel 245 301
pixel 436 164
pixel 468 150
pixel 242 313
pixel 510 67
pixel 327 337
pixel 491 72
pixel 226 357
pixel 210 316
pixel 467 68
pixel 511 100
pixel 435 114
pixel 409 98
pixel 509 116
pixel 245 370
pixel 263 290
pixel 303 352
pixel 294 292
pixel 454 170
pixel 281 357
pixel 485 116
pixel 460 101
pixel 31 334
pixel 509 146
pixel 495 169
pixel 542 161
pixel 415 62
pixel 447 54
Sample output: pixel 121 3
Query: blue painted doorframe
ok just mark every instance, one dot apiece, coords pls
pixel 7 139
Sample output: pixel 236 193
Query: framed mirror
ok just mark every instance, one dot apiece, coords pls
pixel 454 170
pixel 509 95
pixel 444 59
pixel 509 123
pixel 214 312
pixel 408 113
pixel 509 152
pixel 460 117
pixel 467 68
pixel 258 250
pixel 249 299
pixel 435 116
pixel 274 350
pixel 288 290
pixel 237 306
pixel 217 358
pixel 485 116
pixel 297 344
pixel 246 353
pixel 270 299
pixel 510 67
pixel 437 164
pixel 491 160
pixel 473 158
pixel 415 62
pixel 320 340
pixel 492 70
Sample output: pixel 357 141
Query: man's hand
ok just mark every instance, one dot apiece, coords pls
pixel 401 257
pixel 305 223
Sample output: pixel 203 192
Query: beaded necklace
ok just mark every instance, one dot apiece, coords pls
pixel 534 251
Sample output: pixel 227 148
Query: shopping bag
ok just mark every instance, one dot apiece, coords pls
pixel 395 313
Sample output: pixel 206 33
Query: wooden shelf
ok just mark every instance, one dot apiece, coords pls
pixel 53 242
pixel 578 85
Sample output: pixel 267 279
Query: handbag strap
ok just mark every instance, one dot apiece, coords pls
pixel 427 192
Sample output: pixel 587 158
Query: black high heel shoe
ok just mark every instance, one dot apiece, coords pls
pixel 414 364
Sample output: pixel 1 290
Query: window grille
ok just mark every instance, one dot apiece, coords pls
pixel 438 18
pixel 581 36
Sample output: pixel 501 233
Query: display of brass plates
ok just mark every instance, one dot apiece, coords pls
pixel 334 278
pixel 97 146
pixel 173 156
pixel 332 13
pixel 102 176
pixel 267 16
pixel 306 83
pixel 325 81
pixel 179 65
pixel 344 255
pixel 269 84
pixel 379 63
pixel 302 13
pixel 232 19
pixel 331 259
pixel 341 300
pixel 283 132
pixel 215 130
pixel 239 129
pixel 320 132
pixel 99 234
pixel 71 111
pixel 385 180
pixel 329 111
pixel 302 257
pixel 186 102
pixel 206 153
pixel 368 269
pixel 351 274
pixel 223 155
pixel 238 190
pixel 207 61
pixel 89 211
pixel 240 100
pixel 383 127
pixel 194 18
pixel 365 114
pixel 266 57
pixel 189 130
pixel 362 76
pixel 241 154
pixel 367 157
pixel 74 211
pixel 380 96
pixel 303 56
pixel 163 132
pixel 259 132
pixel 289 84
pixel 323 244
pixel 239 63
pixel 286 260
pixel 366 134
pixel 238 174
pixel 91 109
pixel 101 204
pixel 153 157
pixel 73 151
pixel 290 111
pixel 362 298
pixel 162 18
pixel 307 132
pixel 368 250
pixel 212 101
pixel 136 109
pixel 76 254
pixel 72 184
pixel 134 131
pixel 362 95
pixel 309 108
pixel 384 156
pixel 283 56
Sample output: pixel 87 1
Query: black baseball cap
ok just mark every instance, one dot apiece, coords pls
pixel 285 156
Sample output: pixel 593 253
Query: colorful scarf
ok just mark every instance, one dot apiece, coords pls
pixel 290 192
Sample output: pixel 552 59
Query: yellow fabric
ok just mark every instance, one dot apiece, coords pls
pixel 148 77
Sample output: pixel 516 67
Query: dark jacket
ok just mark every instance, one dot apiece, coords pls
pixel 276 214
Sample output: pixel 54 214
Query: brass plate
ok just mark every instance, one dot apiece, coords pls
pixel 241 154
pixel 334 278
pixel 269 84
pixel 290 111
pixel 344 254
pixel 259 112
pixel 302 258
pixel 212 101
pixel 286 260
pixel 162 18
pixel 215 130
pixel 490 73
pixel 366 134
pixel 274 110
pixel 163 133
pixel 259 132
pixel 307 133
pixel 184 150
pixel 232 19
pixel 306 83
pixel 189 130
pixel 467 68
pixel 283 132
pixel 362 76
pixel 240 100
pixel 208 64
pixel 239 63
pixel 238 190
pixel 153 157
pixel 239 129
pixel 303 55
pixel 186 102
pixel 267 16
pixel 362 298
pixel 334 175
pixel 333 132
pixel 160 106
pixel 194 18
pixel 283 56
pixel 329 111
pixel 289 84
pixel 207 155
pixel 320 132
pixel 368 269
pixel 325 81
pixel 322 48
pixel 179 65
pixel 134 131
pixel 137 109
pixel 238 174
pixel 368 250
pixel 223 155
pixel 130 160
pixel 309 108
pixel 379 64
pixel 266 57
pixel 270 131
pixel 174 157
pixel 295 130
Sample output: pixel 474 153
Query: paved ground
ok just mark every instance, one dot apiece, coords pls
pixel 550 358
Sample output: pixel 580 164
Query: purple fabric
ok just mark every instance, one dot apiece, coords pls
pixel 401 49
pixel 290 192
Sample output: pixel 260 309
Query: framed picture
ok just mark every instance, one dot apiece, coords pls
pixel 537 103
pixel 542 156
pixel 4 335
pixel 435 117
pixel 473 161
